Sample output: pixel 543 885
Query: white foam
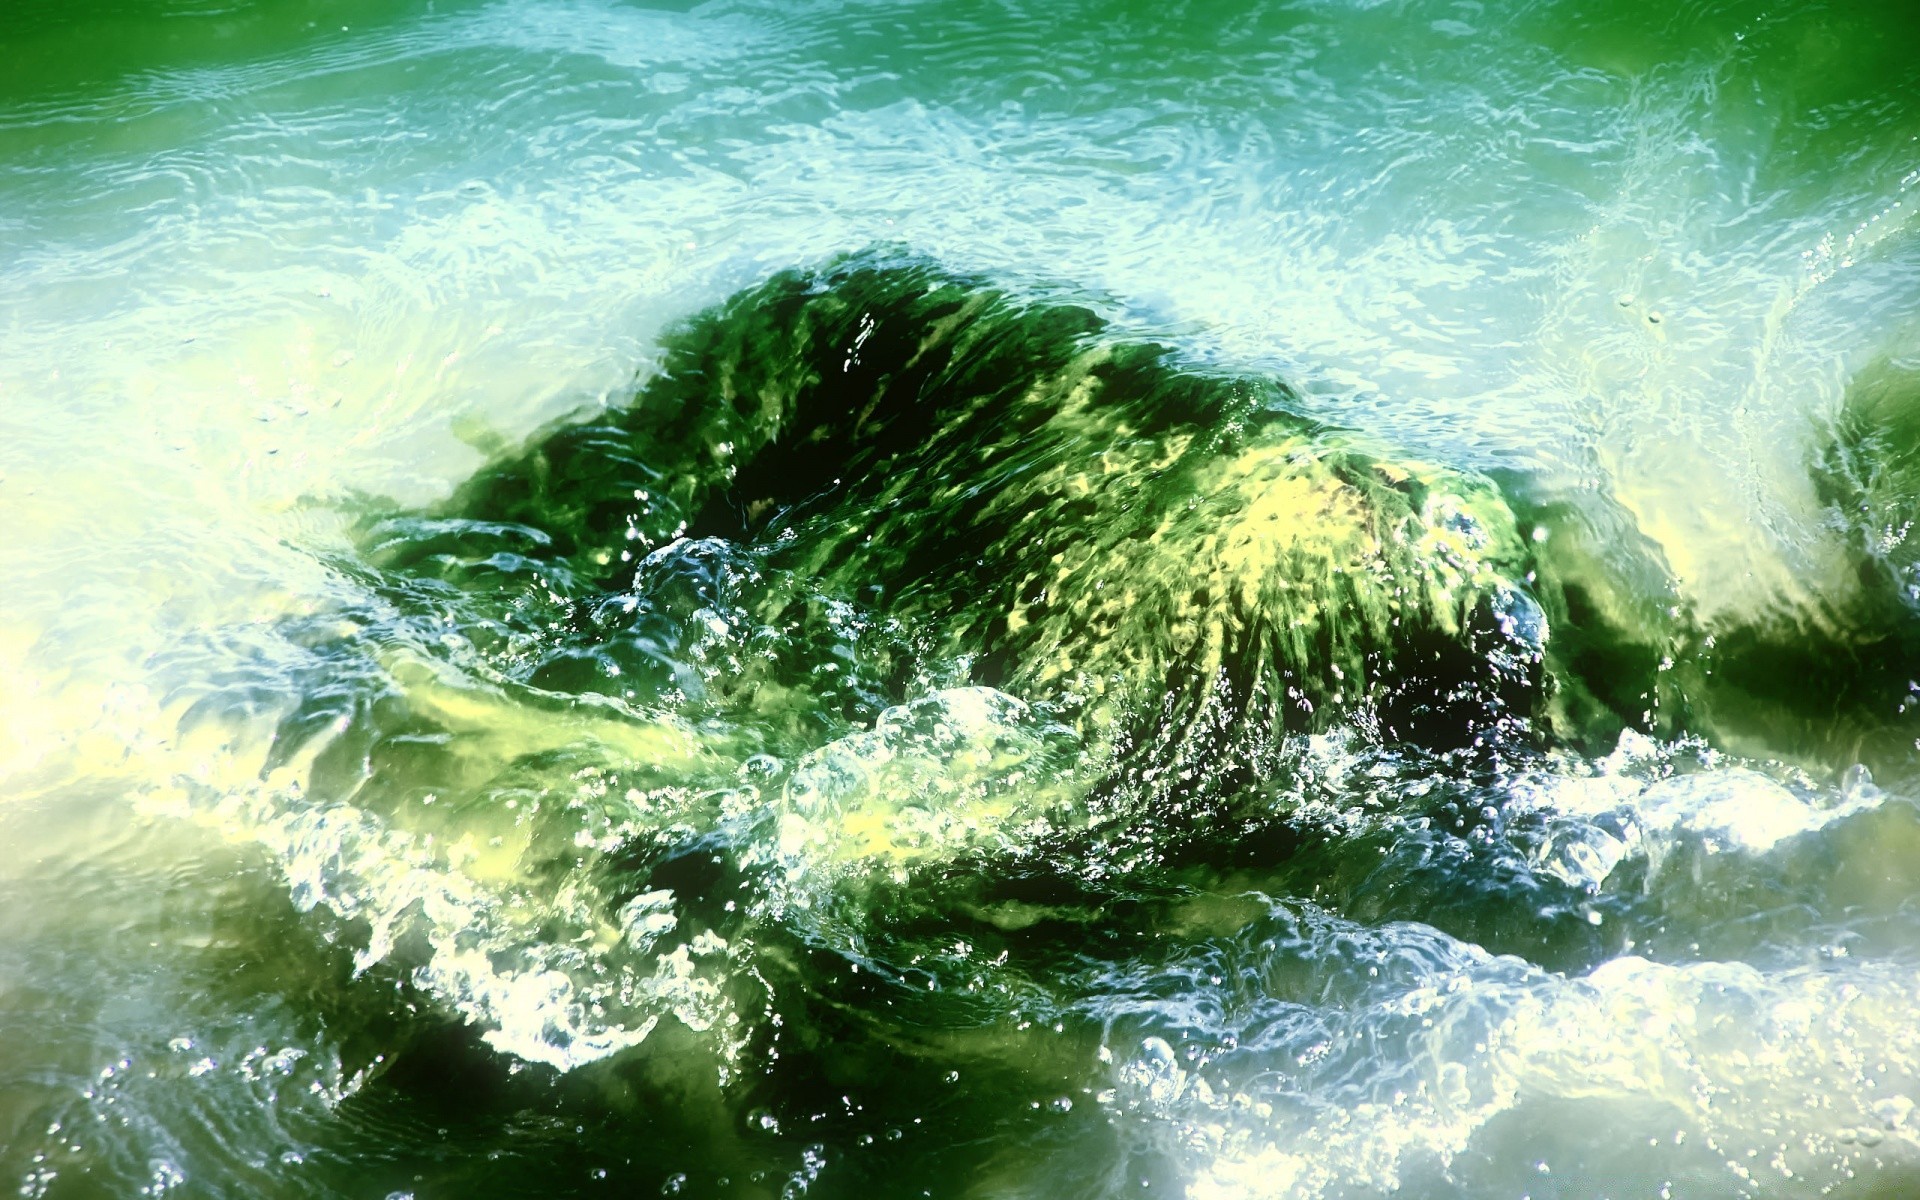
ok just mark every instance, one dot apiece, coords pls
pixel 1789 1080
pixel 1595 822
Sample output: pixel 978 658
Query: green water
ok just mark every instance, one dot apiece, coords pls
pixel 983 600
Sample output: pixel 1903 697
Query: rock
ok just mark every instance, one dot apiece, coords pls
pixel 1171 558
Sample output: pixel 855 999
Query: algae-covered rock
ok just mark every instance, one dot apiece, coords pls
pixel 1162 555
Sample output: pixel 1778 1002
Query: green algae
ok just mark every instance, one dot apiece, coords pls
pixel 1084 521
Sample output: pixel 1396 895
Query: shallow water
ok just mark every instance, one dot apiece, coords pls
pixel 272 275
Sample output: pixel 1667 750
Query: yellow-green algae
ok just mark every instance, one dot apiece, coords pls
pixel 1084 520
pixel 960 493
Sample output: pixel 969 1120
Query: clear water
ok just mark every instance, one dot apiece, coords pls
pixel 267 270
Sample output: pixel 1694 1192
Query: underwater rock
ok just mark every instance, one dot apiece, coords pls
pixel 1163 556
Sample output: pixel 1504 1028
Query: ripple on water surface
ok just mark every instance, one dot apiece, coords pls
pixel 313 900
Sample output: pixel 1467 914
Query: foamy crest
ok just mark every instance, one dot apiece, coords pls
pixel 1632 809
pixel 1413 1065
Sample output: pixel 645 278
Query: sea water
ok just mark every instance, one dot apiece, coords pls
pixel 268 269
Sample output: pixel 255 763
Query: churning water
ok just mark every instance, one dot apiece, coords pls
pixel 1013 599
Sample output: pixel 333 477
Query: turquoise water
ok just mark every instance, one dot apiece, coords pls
pixel 343 870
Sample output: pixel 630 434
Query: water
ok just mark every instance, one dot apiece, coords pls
pixel 342 866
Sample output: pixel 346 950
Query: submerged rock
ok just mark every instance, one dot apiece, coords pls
pixel 1160 554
